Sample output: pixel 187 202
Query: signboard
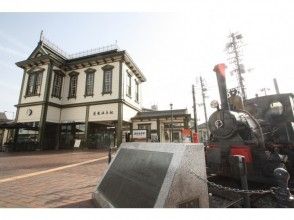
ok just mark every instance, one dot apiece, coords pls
pixel 135 178
pixel 77 143
pixel 139 134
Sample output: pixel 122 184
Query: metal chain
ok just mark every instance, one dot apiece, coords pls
pixel 226 188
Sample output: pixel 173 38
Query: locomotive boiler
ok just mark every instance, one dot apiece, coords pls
pixel 235 130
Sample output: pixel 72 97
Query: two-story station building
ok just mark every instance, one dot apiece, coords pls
pixel 88 96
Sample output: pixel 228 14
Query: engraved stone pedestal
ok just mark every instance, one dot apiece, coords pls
pixel 146 175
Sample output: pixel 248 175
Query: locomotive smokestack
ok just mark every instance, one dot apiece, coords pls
pixel 219 69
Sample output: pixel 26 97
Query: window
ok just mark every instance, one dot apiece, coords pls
pixel 107 79
pixel 89 87
pixel 57 84
pixel 129 85
pixel 34 83
pixel 89 84
pixel 73 84
pixel 137 91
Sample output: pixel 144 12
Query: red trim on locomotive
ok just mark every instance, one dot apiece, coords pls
pixel 242 150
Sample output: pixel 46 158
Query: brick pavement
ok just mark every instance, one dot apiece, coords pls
pixel 70 187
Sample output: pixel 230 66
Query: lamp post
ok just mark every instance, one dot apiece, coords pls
pixel 171 134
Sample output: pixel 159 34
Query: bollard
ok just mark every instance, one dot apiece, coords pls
pixel 109 155
pixel 243 178
pixel 240 170
pixel 282 192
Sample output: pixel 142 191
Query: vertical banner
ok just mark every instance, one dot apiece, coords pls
pixel 186 135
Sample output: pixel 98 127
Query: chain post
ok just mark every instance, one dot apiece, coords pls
pixel 282 192
pixel 240 163
pixel 230 189
pixel 109 155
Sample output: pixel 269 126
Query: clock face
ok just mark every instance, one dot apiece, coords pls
pixel 29 112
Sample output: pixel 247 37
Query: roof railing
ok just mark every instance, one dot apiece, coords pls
pixel 94 51
pixel 79 54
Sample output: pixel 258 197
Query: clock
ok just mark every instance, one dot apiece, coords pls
pixel 29 112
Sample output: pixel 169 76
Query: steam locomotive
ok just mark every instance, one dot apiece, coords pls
pixel 261 130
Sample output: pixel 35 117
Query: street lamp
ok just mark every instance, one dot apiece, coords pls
pixel 171 134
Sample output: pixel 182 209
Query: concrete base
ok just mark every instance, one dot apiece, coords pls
pixel 160 178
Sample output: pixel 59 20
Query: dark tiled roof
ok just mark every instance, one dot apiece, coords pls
pixel 3 117
pixel 164 113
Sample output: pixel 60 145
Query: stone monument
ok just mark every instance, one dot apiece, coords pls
pixel 159 175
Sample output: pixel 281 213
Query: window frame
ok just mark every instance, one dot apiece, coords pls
pixel 89 88
pixel 37 76
pixel 73 75
pixel 107 69
pixel 137 91
pixel 129 85
pixel 57 94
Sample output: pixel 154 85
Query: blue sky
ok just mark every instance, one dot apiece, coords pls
pixel 171 48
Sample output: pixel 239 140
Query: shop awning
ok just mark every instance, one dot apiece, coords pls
pixel 15 125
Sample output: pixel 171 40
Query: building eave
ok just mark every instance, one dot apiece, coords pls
pixel 132 65
pixel 41 60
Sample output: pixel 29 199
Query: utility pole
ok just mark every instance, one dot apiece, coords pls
pixel 203 90
pixel 194 109
pixel 276 86
pixel 233 48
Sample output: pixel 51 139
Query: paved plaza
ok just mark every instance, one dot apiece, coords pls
pixel 50 179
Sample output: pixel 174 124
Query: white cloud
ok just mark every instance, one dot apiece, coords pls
pixel 12 51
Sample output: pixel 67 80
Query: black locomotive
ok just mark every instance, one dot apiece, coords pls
pixel 261 130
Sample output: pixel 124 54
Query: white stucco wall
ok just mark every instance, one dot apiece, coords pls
pixel 35 116
pixel 53 114
pixel 105 112
pixel 128 113
pixel 98 85
pixel 34 98
pixel 131 99
pixel 74 114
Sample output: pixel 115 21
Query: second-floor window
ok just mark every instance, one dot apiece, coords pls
pixel 73 84
pixel 129 85
pixel 57 84
pixel 137 91
pixel 107 79
pixel 89 90
pixel 34 83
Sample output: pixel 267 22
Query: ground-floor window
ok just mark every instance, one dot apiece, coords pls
pixel 100 136
pixel 28 135
pixel 70 132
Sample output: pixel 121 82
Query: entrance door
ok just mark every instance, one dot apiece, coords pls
pixel 66 136
pixel 100 136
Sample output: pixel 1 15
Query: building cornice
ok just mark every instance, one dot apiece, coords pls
pixel 110 101
pixel 83 62
pixel 160 117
